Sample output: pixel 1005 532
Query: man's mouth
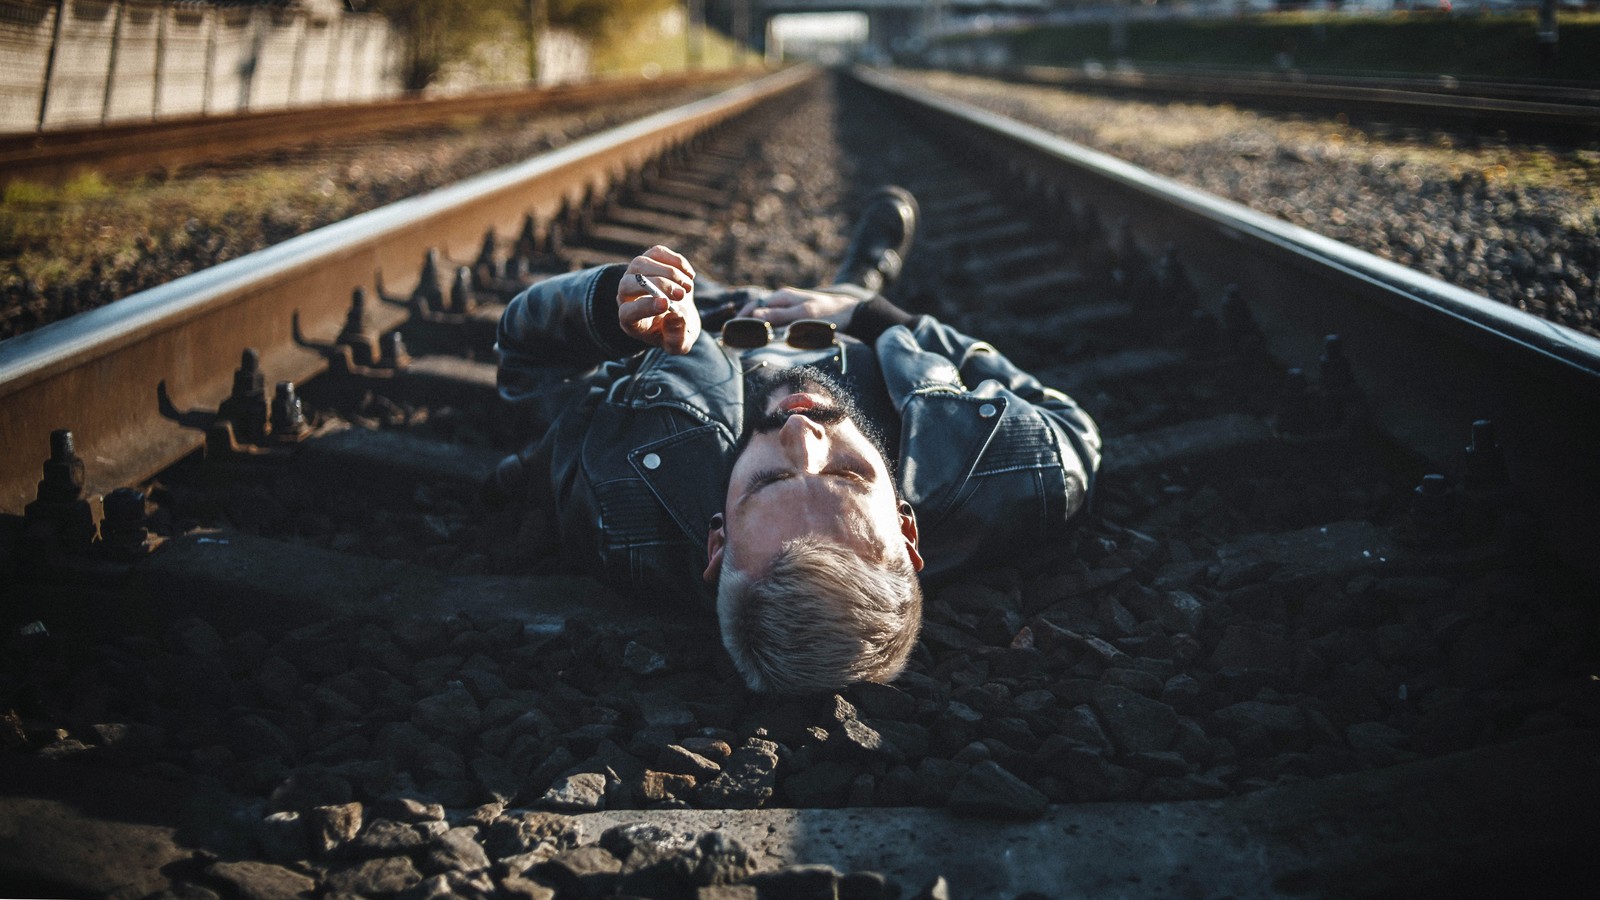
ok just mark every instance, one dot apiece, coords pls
pixel 802 401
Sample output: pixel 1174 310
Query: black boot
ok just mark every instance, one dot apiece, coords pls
pixel 882 239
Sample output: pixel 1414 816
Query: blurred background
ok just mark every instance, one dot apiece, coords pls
pixel 78 62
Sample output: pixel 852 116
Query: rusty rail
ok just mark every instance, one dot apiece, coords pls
pixel 1430 358
pixel 1558 112
pixel 99 373
pixel 173 143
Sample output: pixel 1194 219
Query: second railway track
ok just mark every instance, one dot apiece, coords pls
pixel 1296 589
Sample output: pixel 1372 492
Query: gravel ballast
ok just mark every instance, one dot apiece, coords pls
pixel 1519 224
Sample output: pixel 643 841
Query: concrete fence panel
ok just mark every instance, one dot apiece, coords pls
pixel 82 63
pixel 135 55
pixel 66 63
pixel 25 32
pixel 184 56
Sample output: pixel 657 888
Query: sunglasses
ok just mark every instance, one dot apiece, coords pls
pixel 803 334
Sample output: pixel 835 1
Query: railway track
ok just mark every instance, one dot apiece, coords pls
pixel 1298 609
pixel 171 144
pixel 1561 113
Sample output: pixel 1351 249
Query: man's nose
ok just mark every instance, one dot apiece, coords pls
pixel 805 442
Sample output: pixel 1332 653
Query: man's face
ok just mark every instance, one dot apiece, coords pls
pixel 808 467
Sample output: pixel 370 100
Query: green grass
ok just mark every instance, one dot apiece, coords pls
pixel 644 50
pixel 1463 46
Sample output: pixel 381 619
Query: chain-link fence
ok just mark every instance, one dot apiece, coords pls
pixel 82 62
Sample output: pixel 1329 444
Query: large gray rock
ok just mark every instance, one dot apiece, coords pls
pixel 797 883
pixel 331 827
pixel 582 792
pixel 1274 717
pixel 989 790
pixel 282 837
pixel 1134 723
pixel 261 881
pixel 1252 648
pixel 452 711
pixel 682 761
pixel 825 784
pixel 386 837
pixel 456 850
pixel 375 877
pixel 746 781
pixel 1178 612
pixel 521 832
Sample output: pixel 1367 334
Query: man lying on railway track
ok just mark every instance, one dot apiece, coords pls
pixel 802 466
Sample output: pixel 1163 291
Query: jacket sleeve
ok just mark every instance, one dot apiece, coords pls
pixel 567 323
pixel 976 362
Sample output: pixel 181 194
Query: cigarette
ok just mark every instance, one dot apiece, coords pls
pixel 650 286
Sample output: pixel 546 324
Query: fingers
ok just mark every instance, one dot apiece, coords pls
pixel 666 269
pixel 671 258
pixel 769 306
pixel 636 315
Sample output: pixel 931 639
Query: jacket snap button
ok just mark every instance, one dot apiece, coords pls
pixel 987 410
pixel 651 461
pixel 652 392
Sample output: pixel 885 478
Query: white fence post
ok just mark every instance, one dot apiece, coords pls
pixel 50 62
pixel 161 59
pixel 211 13
pixel 111 64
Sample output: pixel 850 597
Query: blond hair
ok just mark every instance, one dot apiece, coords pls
pixel 820 617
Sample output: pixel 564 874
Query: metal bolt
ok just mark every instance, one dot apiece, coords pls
pixel 60 516
pixel 394 354
pixel 1433 506
pixel 462 300
pixel 246 407
pixel 63 471
pixel 1334 372
pixel 555 240
pixel 1130 259
pixel 428 294
pixel 1295 412
pixel 123 531
pixel 356 324
pixel 487 262
pixel 527 239
pixel 288 416
pixel 1237 321
pixel 1486 461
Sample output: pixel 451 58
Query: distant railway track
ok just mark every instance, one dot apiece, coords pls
pixel 1524 110
pixel 1297 588
pixel 174 143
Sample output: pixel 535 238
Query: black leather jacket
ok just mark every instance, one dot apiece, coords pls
pixel 638 453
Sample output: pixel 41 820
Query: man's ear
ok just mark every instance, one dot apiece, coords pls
pixel 908 530
pixel 716 539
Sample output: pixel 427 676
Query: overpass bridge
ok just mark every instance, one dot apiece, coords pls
pixel 892 20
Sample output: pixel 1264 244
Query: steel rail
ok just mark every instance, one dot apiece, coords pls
pixel 1552 110
pixel 1429 357
pixel 133 148
pixel 98 373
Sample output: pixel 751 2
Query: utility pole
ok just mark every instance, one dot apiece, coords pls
pixel 696 26
pixel 1549 35
pixel 536 26
pixel 741 27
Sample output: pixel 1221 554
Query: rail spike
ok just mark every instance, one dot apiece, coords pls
pixel 288 415
pixel 357 332
pixel 123 533
pixel 1486 461
pixel 60 517
pixel 246 408
pixel 428 295
pixel 462 298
